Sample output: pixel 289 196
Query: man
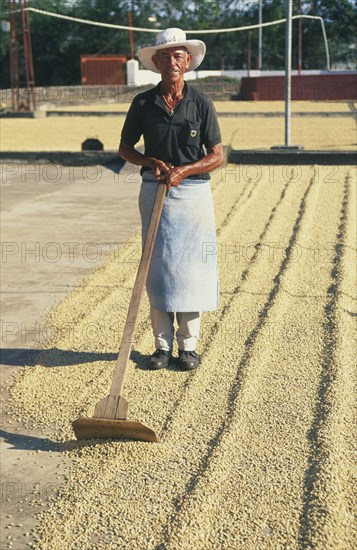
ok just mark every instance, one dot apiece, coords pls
pixel 182 145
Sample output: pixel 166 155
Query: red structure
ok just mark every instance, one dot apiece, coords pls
pixel 103 69
pixel 321 87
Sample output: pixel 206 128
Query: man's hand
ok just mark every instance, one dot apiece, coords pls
pixel 211 161
pixel 159 168
pixel 130 154
pixel 173 177
pixel 168 173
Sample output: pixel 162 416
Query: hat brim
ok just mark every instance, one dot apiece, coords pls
pixel 196 48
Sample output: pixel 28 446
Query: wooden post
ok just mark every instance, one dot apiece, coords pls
pixel 14 57
pixel 249 60
pixel 29 70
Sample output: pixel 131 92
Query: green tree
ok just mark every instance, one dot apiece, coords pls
pixel 341 28
pixel 223 49
pixel 340 22
pixel 58 44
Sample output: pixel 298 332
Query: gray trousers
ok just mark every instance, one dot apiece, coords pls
pixel 187 333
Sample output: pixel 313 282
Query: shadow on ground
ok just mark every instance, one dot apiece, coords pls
pixel 28 442
pixel 53 357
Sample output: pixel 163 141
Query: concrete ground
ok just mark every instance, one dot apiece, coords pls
pixel 58 224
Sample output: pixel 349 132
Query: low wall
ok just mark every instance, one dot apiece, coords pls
pixel 52 96
pixel 315 85
pixel 142 77
pixel 323 87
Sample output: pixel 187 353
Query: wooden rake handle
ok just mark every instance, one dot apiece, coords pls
pixel 139 285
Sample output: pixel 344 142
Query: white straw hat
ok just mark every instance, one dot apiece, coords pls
pixel 170 38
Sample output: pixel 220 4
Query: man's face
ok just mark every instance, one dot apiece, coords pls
pixel 172 62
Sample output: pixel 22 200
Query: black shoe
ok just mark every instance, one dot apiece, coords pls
pixel 188 360
pixel 160 359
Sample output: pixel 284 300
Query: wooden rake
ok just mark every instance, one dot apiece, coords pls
pixel 109 420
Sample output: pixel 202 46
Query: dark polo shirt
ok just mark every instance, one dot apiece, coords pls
pixel 179 138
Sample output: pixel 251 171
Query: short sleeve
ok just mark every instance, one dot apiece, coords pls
pixel 211 134
pixel 132 129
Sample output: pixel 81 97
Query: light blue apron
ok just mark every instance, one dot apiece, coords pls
pixel 183 274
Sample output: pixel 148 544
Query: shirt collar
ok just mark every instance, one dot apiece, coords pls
pixel 187 92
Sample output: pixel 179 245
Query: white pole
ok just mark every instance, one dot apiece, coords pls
pixel 289 9
pixel 300 38
pixel 260 36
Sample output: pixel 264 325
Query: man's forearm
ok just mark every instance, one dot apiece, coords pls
pixel 174 175
pixel 130 154
pixel 211 161
pixel 206 164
